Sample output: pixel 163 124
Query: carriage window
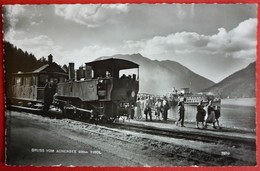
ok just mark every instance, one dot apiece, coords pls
pixel 62 80
pixel 129 74
pixel 108 74
pixel 18 81
pixel 34 81
pixel 42 80
pixel 53 80
pixel 28 81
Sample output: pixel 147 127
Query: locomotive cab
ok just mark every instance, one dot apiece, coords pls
pixel 117 81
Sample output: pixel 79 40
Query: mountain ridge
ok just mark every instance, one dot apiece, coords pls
pixel 240 84
pixel 159 77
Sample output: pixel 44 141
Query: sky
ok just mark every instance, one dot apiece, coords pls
pixel 213 40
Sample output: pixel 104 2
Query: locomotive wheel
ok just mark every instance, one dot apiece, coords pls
pixel 84 117
pixel 108 119
pixel 111 119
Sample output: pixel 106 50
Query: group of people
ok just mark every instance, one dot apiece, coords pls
pixel 160 106
pixel 206 114
pixel 210 115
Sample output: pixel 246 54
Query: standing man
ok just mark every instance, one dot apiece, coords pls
pixel 166 107
pixel 147 108
pixel 158 106
pixel 47 97
pixel 181 111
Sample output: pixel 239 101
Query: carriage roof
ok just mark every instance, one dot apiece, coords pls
pixel 112 62
pixel 45 69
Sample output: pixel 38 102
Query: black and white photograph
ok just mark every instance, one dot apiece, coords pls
pixel 130 84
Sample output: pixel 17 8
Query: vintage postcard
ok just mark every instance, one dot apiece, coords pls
pixel 130 84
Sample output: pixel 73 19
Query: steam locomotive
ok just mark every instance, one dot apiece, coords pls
pixel 103 89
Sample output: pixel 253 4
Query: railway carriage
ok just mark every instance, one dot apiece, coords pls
pixel 28 88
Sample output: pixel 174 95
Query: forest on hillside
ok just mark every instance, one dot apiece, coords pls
pixel 15 60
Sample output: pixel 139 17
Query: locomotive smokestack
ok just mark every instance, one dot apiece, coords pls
pixel 50 59
pixel 71 72
pixel 80 73
pixel 88 72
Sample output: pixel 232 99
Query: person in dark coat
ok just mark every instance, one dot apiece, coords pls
pixel 47 97
pixel 181 111
pixel 217 115
pixel 147 108
pixel 166 107
pixel 200 115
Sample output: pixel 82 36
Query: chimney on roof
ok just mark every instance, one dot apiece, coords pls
pixel 71 72
pixel 50 59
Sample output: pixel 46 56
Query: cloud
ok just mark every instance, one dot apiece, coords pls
pixel 36 23
pixel 239 42
pixel 14 10
pixel 40 45
pixel 36 41
pixel 87 54
pixel 92 15
pixel 180 12
pixel 19 19
pixel 10 16
pixel 181 42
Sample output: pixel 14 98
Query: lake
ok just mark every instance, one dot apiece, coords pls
pixel 235 113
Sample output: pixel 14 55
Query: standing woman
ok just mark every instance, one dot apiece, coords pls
pixel 158 106
pixel 138 110
pixel 200 115
pixel 211 115
pixel 181 111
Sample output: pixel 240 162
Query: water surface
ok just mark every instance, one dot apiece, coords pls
pixel 235 113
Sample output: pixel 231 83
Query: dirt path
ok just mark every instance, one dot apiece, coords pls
pixel 35 140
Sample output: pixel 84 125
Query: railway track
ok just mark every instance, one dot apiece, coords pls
pixel 183 134
pixel 165 148
pixel 188 154
pixel 232 141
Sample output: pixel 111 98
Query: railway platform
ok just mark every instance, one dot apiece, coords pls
pixel 227 133
pixel 190 127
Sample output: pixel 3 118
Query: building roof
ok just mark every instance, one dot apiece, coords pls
pixel 41 68
pixel 53 67
pixel 112 62
pixel 48 68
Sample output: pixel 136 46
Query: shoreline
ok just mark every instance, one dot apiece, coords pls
pixel 243 102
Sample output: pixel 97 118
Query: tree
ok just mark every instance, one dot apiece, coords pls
pixel 15 60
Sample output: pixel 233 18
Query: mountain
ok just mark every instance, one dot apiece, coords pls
pixel 159 77
pixel 240 84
